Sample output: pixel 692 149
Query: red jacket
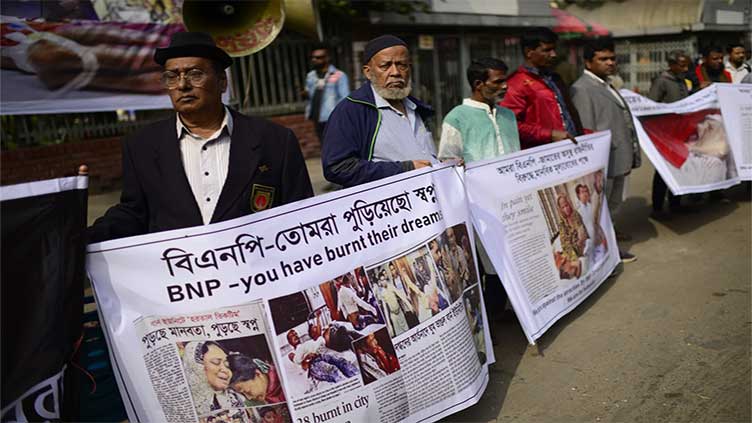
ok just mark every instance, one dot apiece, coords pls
pixel 535 107
pixel 703 76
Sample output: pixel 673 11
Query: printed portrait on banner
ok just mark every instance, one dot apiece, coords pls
pixel 694 145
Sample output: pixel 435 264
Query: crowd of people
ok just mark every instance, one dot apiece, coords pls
pixel 209 163
pixel 380 130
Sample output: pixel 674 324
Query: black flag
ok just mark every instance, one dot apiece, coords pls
pixel 43 245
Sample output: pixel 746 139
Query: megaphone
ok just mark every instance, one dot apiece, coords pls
pixel 243 27
pixel 302 16
pixel 238 27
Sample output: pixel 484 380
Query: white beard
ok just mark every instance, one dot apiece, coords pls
pixel 393 93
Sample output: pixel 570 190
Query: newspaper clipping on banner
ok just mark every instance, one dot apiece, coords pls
pixel 359 305
pixel 548 232
pixel 697 144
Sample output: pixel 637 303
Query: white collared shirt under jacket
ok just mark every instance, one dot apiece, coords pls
pixel 206 162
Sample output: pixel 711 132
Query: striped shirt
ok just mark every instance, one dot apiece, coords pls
pixel 206 161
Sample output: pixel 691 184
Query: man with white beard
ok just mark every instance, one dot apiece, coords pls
pixel 379 130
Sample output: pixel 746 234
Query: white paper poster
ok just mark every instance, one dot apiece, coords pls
pixel 359 305
pixel 542 217
pixel 692 143
pixel 736 107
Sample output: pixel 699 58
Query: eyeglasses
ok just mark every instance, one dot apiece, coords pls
pixel 195 77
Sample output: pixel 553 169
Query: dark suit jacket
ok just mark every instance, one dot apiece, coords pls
pixel 156 194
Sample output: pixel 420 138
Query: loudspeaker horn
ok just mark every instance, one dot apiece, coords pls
pixel 238 27
pixel 302 16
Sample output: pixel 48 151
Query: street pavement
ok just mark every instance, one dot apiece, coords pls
pixel 668 340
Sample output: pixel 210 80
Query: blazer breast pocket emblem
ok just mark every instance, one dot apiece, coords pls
pixel 262 197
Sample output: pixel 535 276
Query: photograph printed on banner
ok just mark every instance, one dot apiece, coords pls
pixel 269 414
pixel 227 376
pixel 694 146
pixel 316 327
pixel 376 356
pixel 409 290
pixel 471 300
pixel 453 257
pixel 573 212
pixel 73 49
pixel 350 299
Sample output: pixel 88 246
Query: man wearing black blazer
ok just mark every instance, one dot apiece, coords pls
pixel 207 163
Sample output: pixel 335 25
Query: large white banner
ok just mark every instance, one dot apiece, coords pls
pixel 697 144
pixel 542 217
pixel 360 305
pixel 736 106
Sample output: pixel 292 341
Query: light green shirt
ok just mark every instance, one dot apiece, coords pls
pixel 474 131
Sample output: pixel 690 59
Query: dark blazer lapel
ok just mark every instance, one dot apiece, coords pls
pixel 169 163
pixel 243 164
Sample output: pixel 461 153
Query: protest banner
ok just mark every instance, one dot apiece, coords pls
pixel 81 66
pixel 689 142
pixel 736 107
pixel 543 219
pixel 43 246
pixel 359 305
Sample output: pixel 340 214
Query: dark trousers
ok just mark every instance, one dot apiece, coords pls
pixel 494 294
pixel 660 190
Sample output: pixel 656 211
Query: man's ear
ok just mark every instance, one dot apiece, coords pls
pixel 223 81
pixel 588 63
pixel 367 72
pixel 476 83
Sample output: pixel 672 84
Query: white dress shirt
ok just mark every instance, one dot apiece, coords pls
pixel 206 162
pixel 737 74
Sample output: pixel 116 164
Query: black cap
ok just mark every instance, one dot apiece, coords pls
pixel 380 43
pixel 192 44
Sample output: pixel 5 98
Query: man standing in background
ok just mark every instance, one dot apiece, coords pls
pixel 380 130
pixel 735 65
pixel 480 129
pixel 325 86
pixel 668 87
pixel 537 95
pixel 602 108
pixel 711 69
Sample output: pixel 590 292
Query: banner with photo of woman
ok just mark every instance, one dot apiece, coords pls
pixel 359 305
pixel 548 232
pixel 692 143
